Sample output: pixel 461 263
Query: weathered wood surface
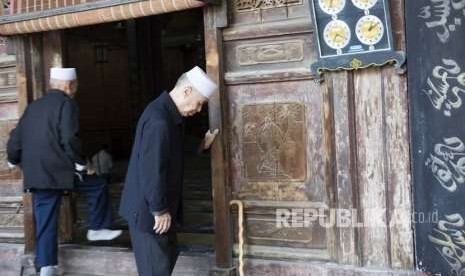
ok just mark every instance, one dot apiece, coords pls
pixel 356 125
pixel 398 139
pixel 22 50
pixel 371 154
pixel 213 19
pixel 52 55
pixel 278 132
pixel 29 225
pixel 37 70
pixel 21 46
pixel 340 88
pixel 286 268
pixel 399 187
pixel 354 131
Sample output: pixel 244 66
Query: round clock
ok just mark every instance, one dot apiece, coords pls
pixel 364 4
pixel 337 34
pixel 369 30
pixel 332 6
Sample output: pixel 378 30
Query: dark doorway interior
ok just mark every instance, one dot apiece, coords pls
pixel 123 66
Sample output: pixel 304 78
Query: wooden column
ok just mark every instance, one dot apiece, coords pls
pixel 215 18
pixel 53 52
pixel 23 60
pixel 34 59
pixel 23 69
pixel 37 72
pixel 54 56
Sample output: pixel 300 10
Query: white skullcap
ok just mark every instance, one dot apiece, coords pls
pixel 201 82
pixel 66 74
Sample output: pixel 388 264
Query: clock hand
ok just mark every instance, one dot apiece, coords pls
pixel 372 25
pixel 339 35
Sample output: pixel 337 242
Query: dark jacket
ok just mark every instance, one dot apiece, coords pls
pixel 154 179
pixel 45 142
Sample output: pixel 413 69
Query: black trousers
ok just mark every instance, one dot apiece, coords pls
pixel 155 254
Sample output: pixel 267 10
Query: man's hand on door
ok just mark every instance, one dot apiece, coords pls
pixel 209 138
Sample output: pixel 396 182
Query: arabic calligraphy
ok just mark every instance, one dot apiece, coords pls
pixel 449 238
pixel 443 16
pixel 447 163
pixel 445 86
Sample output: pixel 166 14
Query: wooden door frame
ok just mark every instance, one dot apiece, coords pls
pixel 34 55
pixel 215 18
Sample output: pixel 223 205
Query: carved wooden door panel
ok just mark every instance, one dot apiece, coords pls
pixel 11 186
pixel 277 127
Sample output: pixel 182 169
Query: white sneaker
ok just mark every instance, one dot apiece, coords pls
pixel 48 271
pixel 103 235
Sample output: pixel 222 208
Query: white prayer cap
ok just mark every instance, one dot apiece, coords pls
pixel 201 82
pixel 66 74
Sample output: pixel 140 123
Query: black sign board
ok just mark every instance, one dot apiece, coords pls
pixel 353 34
pixel 436 62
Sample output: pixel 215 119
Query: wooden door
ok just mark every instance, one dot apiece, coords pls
pixel 277 131
pixel 290 143
pixel 11 208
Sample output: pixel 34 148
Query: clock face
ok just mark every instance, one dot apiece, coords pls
pixel 369 30
pixel 364 4
pixel 332 6
pixel 337 34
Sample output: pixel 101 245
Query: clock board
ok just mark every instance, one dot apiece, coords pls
pixel 353 34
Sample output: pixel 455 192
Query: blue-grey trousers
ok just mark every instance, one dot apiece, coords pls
pixel 47 209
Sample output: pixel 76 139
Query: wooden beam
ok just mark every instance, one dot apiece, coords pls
pixel 213 2
pixel 218 120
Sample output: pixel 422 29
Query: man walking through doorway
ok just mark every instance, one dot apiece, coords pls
pixel 152 189
pixel 45 144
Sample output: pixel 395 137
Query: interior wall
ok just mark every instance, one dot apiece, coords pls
pixel 100 55
pixel 123 66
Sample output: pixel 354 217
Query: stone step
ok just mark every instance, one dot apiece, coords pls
pixel 105 261
pixel 11 234
pixel 11 219
pixel 10 199
pixel 73 274
pixel 10 259
pixel 10 188
pixel 78 260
